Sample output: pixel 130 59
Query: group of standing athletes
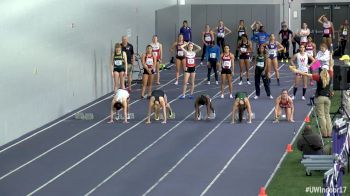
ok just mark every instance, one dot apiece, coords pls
pixel 261 49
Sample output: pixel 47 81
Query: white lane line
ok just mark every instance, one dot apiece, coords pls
pixel 188 153
pixel 44 129
pixel 98 149
pixel 285 153
pixel 65 141
pixel 145 149
pixel 237 152
pixel 56 123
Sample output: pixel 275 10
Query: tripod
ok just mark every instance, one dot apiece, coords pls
pixel 312 104
pixel 341 110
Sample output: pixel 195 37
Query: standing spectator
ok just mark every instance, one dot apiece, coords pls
pixel 129 50
pixel 186 31
pixel 286 34
pixel 310 143
pixel 343 35
pixel 346 94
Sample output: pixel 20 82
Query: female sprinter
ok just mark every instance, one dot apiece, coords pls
pixel 119 67
pixel 180 56
pixel 158 101
pixel 149 64
pixel 303 33
pixel 221 32
pixel 241 103
pixel 284 102
pixel 204 100
pixel 260 70
pixel 190 69
pixel 120 100
pixel 273 47
pixel 157 50
pixel 227 63
pixel 301 58
pixel 328 30
pixel 244 47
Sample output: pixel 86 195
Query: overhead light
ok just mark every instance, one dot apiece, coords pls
pixel 182 2
pixel 336 7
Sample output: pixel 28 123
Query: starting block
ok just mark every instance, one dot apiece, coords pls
pixel 84 116
pixel 161 116
pixel 121 116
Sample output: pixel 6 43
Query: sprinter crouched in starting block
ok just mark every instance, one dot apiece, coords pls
pixel 204 100
pixel 120 100
pixel 158 101
pixel 241 103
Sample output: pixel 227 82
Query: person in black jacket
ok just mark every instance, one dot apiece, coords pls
pixel 310 143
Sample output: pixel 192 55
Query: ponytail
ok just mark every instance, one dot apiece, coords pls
pixel 324 77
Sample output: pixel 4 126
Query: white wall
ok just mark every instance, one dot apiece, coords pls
pixel 49 68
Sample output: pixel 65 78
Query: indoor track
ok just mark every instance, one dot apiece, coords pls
pixel 180 158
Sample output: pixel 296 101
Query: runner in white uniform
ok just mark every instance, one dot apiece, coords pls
pixel 301 59
pixel 227 61
pixel 120 100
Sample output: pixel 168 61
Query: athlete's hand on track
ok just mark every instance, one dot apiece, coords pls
pixel 111 121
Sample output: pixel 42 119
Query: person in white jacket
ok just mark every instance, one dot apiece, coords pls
pixel 324 56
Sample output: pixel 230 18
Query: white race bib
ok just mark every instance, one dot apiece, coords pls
pixel 241 33
pixel 272 52
pixel 260 64
pixel 212 55
pixel 227 64
pixel 180 53
pixel 326 31
pixel 310 53
pixel 345 32
pixel 190 61
pixel 244 50
pixel 303 68
pixel 149 61
pixel 303 39
pixel 118 62
pixel 207 38
pixel 221 34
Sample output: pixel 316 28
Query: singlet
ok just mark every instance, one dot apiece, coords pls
pixel 156 50
pixel 272 48
pixel 285 34
pixel 323 57
pixel 149 61
pixel 241 95
pixel 302 61
pixel 156 94
pixel 303 38
pixel 120 94
pixel 285 103
pixel 118 60
pixel 207 37
pixel 179 51
pixel 260 61
pixel 327 28
pixel 241 31
pixel 344 32
pixel 243 47
pixel 226 62
pixel 221 31
pixel 309 48
pixel 190 59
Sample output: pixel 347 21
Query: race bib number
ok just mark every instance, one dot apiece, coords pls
pixel 149 61
pixel 326 31
pixel 118 62
pixel 207 38
pixel 310 53
pixel 303 68
pixel 180 53
pixel 303 39
pixel 190 61
pixel 221 34
pixel 260 64
pixel 272 52
pixel 227 64
pixel 345 32
pixel 241 33
pixel 155 53
pixel 243 50
pixel 212 55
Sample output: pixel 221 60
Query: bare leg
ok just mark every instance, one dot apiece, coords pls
pixel 193 77
pixel 144 84
pixel 223 79
pixel 116 81
pixel 184 87
pixel 229 79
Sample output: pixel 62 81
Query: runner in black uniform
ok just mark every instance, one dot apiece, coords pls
pixel 118 67
pixel 221 32
pixel 286 34
pixel 204 100
pixel 245 48
pixel 260 67
pixel 158 101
